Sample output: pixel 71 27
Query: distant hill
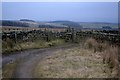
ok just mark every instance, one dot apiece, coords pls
pixel 51 26
pixel 59 24
pixel 30 23
pixel 14 23
pixel 68 23
pixel 98 25
pixel 27 20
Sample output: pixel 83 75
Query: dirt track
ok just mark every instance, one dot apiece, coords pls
pixel 29 58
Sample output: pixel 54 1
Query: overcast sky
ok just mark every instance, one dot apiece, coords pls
pixel 50 11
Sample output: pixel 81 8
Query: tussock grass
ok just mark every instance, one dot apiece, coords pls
pixel 91 44
pixel 94 60
pixel 111 56
pixel 110 53
pixel 72 63
pixel 94 45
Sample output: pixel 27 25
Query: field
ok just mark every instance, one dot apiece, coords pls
pixel 73 63
pixel 96 50
pixel 86 61
pixel 98 24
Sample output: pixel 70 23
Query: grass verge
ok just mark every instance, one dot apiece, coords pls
pixel 8 70
pixel 72 63
pixel 110 53
pixel 9 46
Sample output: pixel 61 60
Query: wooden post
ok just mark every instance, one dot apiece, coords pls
pixel 15 37
pixel 73 35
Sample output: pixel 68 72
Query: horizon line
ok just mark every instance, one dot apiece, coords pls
pixel 61 20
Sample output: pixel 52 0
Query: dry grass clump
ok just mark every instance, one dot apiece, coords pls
pixel 90 43
pixel 72 63
pixel 94 45
pixel 103 46
pixel 111 56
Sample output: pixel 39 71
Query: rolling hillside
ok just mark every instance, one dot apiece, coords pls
pixel 30 23
pixel 98 25
pixel 68 23
pixel 59 24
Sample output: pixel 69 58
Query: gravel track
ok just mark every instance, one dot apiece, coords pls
pixel 29 58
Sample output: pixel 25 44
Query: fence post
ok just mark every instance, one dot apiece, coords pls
pixel 15 37
pixel 73 35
